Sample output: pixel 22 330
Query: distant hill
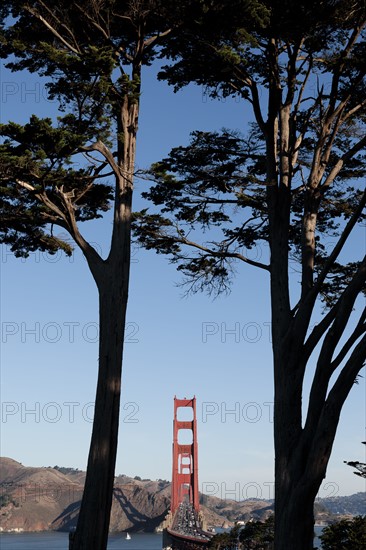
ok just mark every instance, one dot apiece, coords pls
pixel 41 499
pixel 48 498
pixel 352 505
pixel 33 498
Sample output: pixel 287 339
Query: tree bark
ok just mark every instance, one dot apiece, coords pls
pixel 296 485
pixel 294 515
pixel 93 522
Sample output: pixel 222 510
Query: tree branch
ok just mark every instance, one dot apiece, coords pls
pixel 52 13
pixel 106 153
pixel 305 80
pixel 68 222
pixel 149 41
pixel 92 256
pixel 341 242
pixel 325 364
pixel 358 331
pixel 304 307
pixel 52 29
pixel 320 438
pixel 93 22
pixel 349 294
pixel 346 379
pixel 337 72
pixel 341 161
pixel 43 198
pixel 235 255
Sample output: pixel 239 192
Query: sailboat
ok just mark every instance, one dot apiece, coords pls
pixel 128 537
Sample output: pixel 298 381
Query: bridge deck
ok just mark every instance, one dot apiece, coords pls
pixel 186 532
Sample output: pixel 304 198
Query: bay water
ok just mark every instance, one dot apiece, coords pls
pixel 60 541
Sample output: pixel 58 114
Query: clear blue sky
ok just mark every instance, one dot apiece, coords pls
pixel 218 350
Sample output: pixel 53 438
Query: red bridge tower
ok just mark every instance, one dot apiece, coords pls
pixel 185 458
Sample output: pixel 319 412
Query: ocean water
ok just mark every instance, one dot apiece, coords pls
pixel 60 541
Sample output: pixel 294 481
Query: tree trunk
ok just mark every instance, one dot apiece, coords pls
pixel 112 278
pixel 294 492
pixel 301 457
pixel 296 485
pixel 294 515
pixel 93 523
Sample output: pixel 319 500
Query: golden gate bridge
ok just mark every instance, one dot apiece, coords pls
pixel 186 526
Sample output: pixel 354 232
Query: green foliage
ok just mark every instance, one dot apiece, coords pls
pixel 219 31
pixel 6 499
pixel 299 63
pixel 234 35
pixel 217 184
pixel 57 172
pixel 345 535
pixel 36 160
pixel 203 184
pixel 227 540
pixel 257 535
pixel 360 466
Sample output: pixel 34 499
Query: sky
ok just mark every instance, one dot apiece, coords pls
pixel 216 349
